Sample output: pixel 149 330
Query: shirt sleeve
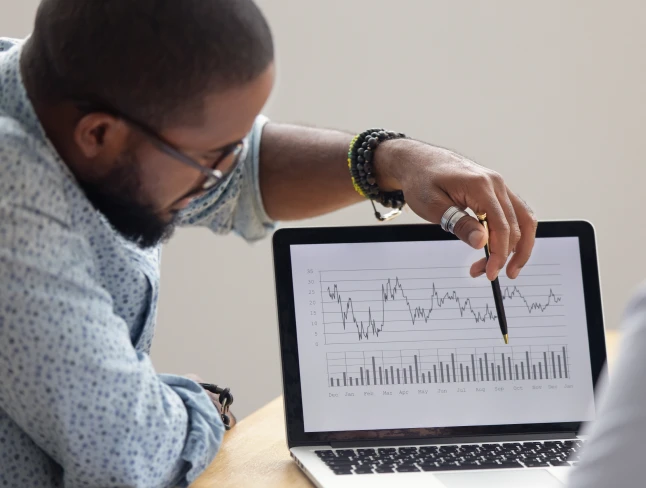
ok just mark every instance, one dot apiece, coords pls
pixel 71 379
pixel 613 455
pixel 236 205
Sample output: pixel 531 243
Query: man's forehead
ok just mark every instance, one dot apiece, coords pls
pixel 227 116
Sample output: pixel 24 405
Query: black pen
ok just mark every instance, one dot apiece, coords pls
pixel 495 285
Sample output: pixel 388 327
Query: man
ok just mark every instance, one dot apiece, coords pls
pixel 119 120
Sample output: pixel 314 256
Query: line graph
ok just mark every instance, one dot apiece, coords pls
pixel 411 304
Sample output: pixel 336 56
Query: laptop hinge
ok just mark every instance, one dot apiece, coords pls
pixel 457 440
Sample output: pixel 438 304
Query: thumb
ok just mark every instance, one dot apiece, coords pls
pixel 469 230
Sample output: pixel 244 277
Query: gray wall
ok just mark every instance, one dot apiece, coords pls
pixel 551 94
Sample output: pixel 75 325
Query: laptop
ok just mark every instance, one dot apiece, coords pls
pixel 395 370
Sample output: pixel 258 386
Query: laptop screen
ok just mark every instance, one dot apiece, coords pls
pixel 397 335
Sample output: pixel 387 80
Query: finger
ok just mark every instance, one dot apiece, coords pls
pixel 478 268
pixel 527 223
pixel 467 229
pixel 512 219
pixel 498 232
pixel 471 231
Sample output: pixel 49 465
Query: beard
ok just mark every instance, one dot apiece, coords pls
pixel 119 197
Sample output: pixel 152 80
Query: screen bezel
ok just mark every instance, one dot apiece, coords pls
pixel 284 238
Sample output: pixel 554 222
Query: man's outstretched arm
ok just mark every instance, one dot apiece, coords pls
pixel 303 173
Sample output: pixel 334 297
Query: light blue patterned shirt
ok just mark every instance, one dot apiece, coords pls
pixel 80 401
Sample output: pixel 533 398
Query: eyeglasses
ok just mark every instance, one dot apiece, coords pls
pixel 214 176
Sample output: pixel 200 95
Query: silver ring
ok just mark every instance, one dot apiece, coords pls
pixel 447 216
pixel 451 217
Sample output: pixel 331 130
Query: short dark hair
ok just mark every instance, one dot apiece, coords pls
pixel 154 60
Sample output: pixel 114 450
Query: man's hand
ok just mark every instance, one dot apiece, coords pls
pixel 433 179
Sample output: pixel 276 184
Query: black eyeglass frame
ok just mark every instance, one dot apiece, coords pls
pixel 214 176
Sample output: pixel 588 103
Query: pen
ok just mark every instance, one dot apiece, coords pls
pixel 495 285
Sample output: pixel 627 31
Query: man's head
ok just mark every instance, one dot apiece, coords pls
pixel 110 79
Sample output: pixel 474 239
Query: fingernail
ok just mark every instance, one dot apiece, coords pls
pixel 475 237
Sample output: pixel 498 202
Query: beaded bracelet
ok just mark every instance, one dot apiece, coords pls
pixel 360 161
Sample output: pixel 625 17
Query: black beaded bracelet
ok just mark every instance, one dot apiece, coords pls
pixel 360 161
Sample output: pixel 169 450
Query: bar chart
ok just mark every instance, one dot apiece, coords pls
pixel 461 365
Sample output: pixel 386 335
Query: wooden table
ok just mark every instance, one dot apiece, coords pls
pixel 255 452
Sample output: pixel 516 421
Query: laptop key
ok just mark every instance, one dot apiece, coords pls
pixel 493 466
pixel 470 448
pixel 428 449
pixel 469 463
pixel 408 450
pixel 340 463
pixel 490 461
pixel 366 452
pixel 386 450
pixel 384 469
pixel 441 467
pixel 410 461
pixel 531 459
pixel 431 460
pixel 535 464
pixel 512 445
pixel 560 463
pixel 532 444
pixel 448 447
pixel 363 470
pixel 325 454
pixel 407 469
pixel 345 452
pixel 365 459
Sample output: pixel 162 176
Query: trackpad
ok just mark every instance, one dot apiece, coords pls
pixel 527 478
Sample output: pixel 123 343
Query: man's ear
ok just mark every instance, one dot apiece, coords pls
pixel 99 134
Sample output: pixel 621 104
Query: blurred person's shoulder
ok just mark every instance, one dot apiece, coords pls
pixel 634 318
pixel 7 43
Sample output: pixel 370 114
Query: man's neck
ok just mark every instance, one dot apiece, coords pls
pixel 57 119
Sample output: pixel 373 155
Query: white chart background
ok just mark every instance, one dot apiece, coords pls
pixel 412 306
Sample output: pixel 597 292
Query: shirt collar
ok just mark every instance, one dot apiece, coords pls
pixel 16 104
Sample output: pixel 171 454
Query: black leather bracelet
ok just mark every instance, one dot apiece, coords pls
pixel 225 399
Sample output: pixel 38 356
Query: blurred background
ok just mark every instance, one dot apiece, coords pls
pixel 550 94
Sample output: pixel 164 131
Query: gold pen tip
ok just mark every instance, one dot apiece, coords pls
pixel 506 338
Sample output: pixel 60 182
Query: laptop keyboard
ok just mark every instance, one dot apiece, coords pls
pixel 451 457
